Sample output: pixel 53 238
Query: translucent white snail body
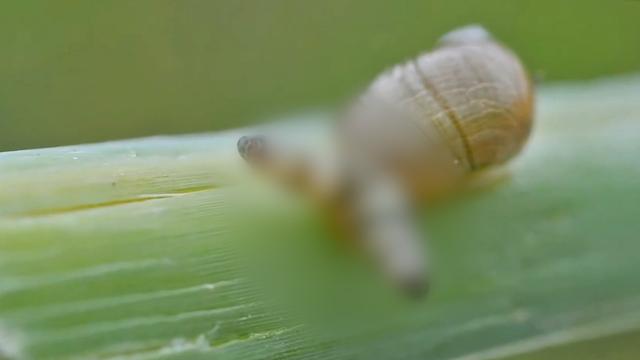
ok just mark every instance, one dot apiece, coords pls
pixel 419 130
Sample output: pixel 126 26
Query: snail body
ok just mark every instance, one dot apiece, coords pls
pixel 420 129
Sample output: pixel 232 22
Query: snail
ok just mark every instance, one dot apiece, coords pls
pixel 419 130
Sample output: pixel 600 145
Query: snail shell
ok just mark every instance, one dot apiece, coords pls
pixel 465 106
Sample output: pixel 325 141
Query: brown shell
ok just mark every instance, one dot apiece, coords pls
pixel 471 98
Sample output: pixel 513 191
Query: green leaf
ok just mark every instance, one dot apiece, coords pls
pixel 169 248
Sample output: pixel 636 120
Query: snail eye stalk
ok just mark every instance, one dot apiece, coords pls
pixel 252 148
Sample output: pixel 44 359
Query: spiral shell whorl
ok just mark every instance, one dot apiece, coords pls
pixel 470 94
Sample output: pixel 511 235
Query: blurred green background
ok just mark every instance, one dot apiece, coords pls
pixel 83 71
